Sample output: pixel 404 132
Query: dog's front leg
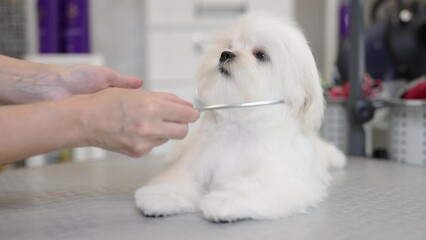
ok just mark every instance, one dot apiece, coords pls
pixel 260 196
pixel 174 191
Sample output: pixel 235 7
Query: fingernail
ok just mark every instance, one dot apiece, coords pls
pixel 189 104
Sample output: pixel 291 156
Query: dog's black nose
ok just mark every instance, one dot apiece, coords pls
pixel 226 55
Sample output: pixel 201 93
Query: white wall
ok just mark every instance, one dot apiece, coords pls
pixel 117 30
pixel 319 20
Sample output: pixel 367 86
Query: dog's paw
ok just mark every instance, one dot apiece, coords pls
pixel 222 208
pixel 159 202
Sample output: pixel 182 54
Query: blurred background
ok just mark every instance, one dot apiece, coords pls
pixel 162 41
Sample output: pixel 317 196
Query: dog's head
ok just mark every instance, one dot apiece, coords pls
pixel 261 57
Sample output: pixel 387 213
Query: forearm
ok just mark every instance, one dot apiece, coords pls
pixel 31 129
pixel 22 82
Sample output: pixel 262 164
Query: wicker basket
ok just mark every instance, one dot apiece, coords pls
pixel 408 131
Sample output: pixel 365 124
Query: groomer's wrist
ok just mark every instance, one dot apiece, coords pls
pixel 75 111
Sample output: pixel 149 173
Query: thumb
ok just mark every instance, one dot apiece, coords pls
pixel 124 81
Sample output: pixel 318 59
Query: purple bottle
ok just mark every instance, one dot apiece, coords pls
pixel 76 26
pixel 344 21
pixel 49 23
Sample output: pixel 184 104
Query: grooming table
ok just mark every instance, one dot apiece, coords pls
pixel 94 200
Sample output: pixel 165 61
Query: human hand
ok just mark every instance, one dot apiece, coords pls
pixel 133 122
pixel 54 82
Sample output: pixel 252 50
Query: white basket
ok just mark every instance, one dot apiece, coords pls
pixel 335 126
pixel 408 131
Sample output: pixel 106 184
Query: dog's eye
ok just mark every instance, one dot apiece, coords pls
pixel 261 55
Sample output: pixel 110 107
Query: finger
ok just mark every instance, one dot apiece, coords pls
pixel 173 98
pixel 124 81
pixel 154 142
pixel 179 113
pixel 172 130
pixel 116 79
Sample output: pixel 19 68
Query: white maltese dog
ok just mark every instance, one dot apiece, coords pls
pixel 263 162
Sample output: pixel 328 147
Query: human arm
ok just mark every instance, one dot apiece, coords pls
pixel 131 122
pixel 25 82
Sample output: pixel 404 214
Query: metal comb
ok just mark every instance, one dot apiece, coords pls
pixel 240 105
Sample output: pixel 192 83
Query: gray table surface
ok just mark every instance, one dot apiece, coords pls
pixel 94 200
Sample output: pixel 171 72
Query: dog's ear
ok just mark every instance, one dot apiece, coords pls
pixel 304 95
pixel 312 111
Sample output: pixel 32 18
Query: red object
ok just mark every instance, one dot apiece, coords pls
pixel 418 91
pixel 370 87
pixel 337 91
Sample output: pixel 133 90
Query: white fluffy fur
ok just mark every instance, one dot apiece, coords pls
pixel 254 163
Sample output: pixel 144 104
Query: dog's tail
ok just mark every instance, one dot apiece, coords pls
pixel 330 154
